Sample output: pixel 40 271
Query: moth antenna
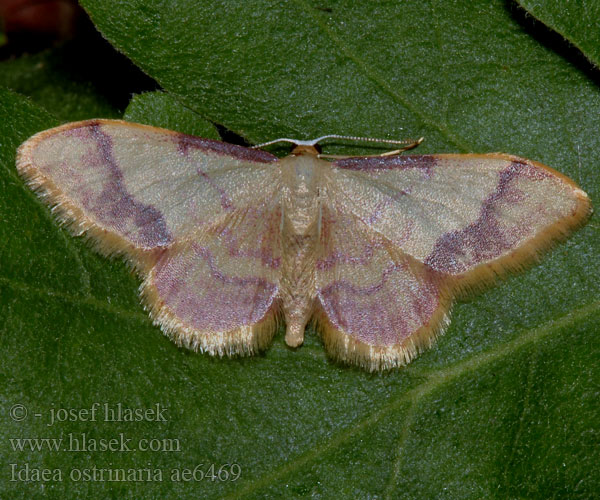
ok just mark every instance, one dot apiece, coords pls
pixel 410 143
pixel 275 141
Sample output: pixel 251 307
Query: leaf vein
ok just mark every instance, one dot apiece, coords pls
pixel 87 300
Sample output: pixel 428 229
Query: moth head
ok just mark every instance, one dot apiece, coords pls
pixel 304 149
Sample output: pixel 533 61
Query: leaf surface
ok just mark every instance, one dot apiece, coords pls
pixel 577 22
pixel 504 405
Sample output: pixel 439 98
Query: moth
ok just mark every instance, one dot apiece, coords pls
pixel 228 239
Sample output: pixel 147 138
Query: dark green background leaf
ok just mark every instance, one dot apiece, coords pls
pixel 50 80
pixel 578 22
pixel 505 405
pixel 162 110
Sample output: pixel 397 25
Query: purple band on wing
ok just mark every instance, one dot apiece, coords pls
pixel 114 206
pixel 486 238
pixel 226 203
pixel 385 313
pixel 197 291
pixel 185 142
pixel 420 162
pixel 261 251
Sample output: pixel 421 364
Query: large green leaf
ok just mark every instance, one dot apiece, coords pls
pixel 505 405
pixel 578 22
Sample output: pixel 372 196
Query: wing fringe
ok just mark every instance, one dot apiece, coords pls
pixel 69 215
pixel 347 349
pixel 243 341
pixel 525 256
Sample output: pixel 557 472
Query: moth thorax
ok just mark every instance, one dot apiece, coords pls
pixel 301 207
